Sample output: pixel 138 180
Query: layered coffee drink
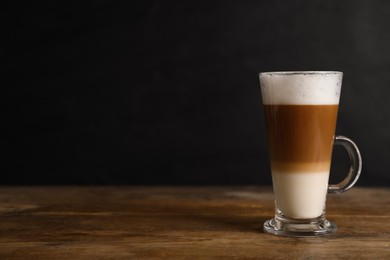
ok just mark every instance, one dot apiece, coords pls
pixel 301 114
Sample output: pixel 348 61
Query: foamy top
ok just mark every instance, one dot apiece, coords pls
pixel 301 87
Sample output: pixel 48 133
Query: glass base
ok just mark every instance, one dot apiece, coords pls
pixel 283 226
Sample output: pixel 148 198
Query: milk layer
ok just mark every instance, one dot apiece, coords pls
pixel 300 195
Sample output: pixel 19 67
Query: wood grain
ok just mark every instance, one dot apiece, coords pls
pixel 180 222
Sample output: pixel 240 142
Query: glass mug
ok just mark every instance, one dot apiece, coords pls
pixel 301 113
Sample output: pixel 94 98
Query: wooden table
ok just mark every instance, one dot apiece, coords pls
pixel 180 222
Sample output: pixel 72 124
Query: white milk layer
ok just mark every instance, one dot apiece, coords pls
pixel 301 88
pixel 300 195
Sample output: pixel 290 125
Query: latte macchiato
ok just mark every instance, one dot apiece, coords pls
pixel 300 109
pixel 301 115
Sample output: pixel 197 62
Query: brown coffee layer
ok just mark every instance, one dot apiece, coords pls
pixel 300 137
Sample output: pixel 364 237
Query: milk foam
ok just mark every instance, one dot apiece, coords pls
pixel 300 195
pixel 301 88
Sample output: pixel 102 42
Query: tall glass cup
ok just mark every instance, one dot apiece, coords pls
pixel 301 113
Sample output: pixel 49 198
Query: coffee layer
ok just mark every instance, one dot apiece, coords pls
pixel 300 137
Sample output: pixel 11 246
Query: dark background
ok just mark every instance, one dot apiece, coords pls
pixel 167 92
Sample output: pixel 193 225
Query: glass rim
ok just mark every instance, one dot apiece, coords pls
pixel 309 72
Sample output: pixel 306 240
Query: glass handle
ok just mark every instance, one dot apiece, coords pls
pixel 356 165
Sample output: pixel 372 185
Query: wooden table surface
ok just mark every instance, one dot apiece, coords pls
pixel 180 222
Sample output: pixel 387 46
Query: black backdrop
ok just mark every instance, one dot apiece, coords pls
pixel 167 92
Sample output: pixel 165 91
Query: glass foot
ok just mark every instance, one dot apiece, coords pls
pixel 299 228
